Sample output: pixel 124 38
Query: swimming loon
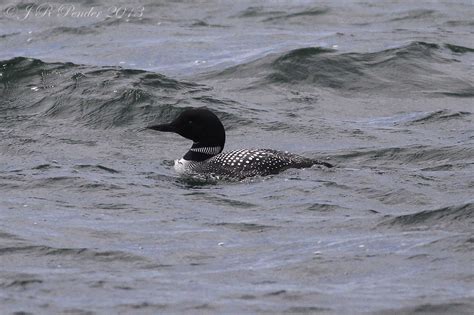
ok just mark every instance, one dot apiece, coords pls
pixel 205 155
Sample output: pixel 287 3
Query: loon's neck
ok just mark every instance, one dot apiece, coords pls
pixel 200 152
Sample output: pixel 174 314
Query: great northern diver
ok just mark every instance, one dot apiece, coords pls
pixel 204 157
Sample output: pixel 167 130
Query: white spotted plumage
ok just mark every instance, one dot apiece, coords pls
pixel 244 163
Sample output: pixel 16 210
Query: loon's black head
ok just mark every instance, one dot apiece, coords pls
pixel 197 124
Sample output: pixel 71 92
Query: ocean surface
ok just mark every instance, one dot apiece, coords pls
pixel 94 219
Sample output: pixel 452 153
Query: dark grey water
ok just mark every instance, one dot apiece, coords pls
pixel 93 218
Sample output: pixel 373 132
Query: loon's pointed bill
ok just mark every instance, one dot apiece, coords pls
pixel 205 156
pixel 163 127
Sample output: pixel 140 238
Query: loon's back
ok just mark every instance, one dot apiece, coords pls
pixel 243 163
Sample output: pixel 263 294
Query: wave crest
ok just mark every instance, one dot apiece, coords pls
pixel 418 67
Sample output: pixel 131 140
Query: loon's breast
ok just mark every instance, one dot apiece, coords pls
pixel 244 163
pixel 182 166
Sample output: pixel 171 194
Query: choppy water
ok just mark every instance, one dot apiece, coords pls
pixel 93 218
